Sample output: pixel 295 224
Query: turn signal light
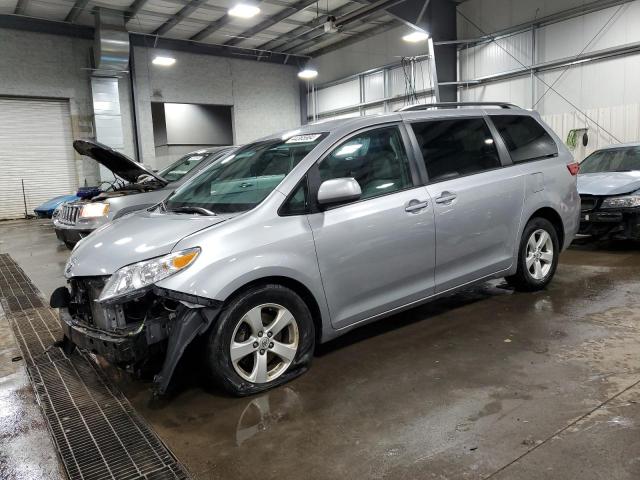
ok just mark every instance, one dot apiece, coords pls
pixel 574 168
pixel 182 260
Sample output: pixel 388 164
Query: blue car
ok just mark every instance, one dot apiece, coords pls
pixel 46 209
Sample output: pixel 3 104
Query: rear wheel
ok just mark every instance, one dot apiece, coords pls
pixel 69 245
pixel 537 256
pixel 264 337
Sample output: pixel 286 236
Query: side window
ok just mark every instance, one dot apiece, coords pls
pixel 376 159
pixel 297 202
pixel 525 138
pixel 454 148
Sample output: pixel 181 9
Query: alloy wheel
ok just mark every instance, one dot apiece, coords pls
pixel 539 257
pixel 264 343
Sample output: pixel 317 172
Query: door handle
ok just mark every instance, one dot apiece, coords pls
pixel 415 206
pixel 446 197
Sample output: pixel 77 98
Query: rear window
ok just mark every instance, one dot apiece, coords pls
pixel 525 138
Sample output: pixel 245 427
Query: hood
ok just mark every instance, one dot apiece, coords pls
pixel 54 202
pixel 133 238
pixel 608 183
pixel 121 165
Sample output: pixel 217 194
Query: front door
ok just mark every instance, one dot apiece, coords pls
pixel 377 253
pixel 477 203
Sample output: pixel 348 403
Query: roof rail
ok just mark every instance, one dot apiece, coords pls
pixel 428 106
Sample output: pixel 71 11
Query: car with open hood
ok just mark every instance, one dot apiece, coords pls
pixel 135 188
pixel 301 236
pixel 609 187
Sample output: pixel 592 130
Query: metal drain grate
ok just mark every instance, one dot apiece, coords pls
pixel 97 432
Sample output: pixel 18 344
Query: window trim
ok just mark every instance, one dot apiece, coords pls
pixel 529 160
pixel 313 173
pixel 504 159
pixel 307 208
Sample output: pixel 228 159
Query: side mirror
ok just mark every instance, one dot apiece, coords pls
pixel 339 190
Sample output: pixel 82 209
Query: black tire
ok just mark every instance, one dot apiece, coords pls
pixel 69 245
pixel 524 279
pixel 219 338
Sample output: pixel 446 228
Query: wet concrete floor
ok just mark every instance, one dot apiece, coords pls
pixel 485 384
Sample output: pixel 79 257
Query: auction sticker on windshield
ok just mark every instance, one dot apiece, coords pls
pixel 304 138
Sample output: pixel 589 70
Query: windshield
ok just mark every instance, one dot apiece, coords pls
pixel 183 166
pixel 241 181
pixel 612 160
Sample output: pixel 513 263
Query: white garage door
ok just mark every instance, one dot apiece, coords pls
pixel 35 147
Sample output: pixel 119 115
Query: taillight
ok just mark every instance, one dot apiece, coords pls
pixel 574 168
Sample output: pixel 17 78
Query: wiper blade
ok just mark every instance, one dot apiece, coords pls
pixel 200 210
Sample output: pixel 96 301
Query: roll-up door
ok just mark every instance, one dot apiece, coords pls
pixel 35 147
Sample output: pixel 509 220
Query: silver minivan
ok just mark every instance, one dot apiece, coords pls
pixel 296 238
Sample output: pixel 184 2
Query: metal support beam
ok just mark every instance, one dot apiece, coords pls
pixel 212 27
pixel 377 30
pixel 366 10
pixel 134 8
pixel 178 17
pixel 18 22
pixel 318 35
pixel 440 22
pixel 434 72
pixel 38 25
pixel 21 7
pixel 272 20
pixel 212 49
pixel 359 16
pixel 304 30
pixel 76 10
pixel 622 50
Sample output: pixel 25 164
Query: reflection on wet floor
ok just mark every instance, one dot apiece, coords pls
pixel 458 388
pixel 265 411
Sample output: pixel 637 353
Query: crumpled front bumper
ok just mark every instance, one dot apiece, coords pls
pixel 622 224
pixel 117 349
pixel 169 336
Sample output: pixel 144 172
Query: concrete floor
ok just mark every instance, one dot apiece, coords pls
pixel 485 384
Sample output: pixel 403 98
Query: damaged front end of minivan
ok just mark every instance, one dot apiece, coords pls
pixel 131 324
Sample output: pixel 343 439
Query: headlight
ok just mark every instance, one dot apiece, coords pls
pixel 94 210
pixel 626 201
pixel 143 274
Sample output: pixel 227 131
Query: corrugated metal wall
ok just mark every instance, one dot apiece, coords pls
pixel 388 88
pixel 607 90
pixel 496 57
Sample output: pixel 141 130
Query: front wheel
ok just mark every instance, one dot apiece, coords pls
pixel 537 256
pixel 263 337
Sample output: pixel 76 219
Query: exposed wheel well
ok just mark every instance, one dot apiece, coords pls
pixel 297 287
pixel 550 214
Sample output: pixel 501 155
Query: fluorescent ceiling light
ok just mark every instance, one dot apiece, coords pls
pixel 308 73
pixel 243 10
pixel 164 61
pixel 415 37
